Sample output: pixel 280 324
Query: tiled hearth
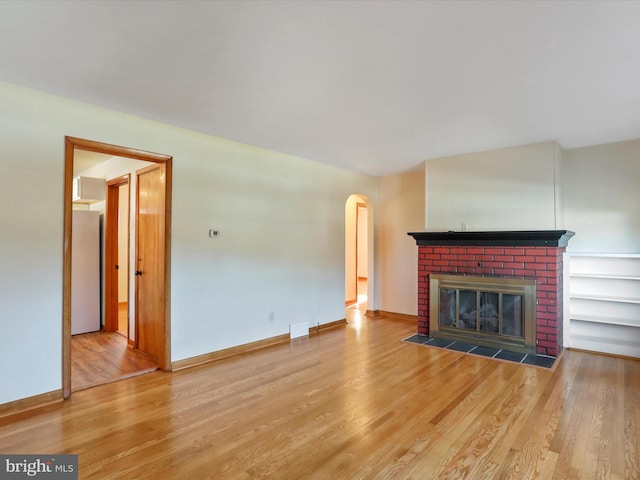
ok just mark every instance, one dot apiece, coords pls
pixel 489 352
pixel 535 255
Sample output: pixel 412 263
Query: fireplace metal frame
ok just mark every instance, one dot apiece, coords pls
pixel 506 285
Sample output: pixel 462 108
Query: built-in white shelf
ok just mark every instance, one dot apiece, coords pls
pixel 602 303
pixel 605 298
pixel 626 322
pixel 605 277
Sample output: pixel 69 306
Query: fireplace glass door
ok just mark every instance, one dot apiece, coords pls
pixel 488 312
pixel 499 311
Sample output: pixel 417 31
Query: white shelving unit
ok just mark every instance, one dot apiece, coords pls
pixel 602 303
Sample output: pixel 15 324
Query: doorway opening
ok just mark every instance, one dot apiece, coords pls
pixel 113 345
pixel 358 228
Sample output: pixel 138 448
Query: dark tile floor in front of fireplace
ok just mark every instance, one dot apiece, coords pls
pixel 537 360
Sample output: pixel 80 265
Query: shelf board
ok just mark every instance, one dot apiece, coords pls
pixel 623 322
pixel 604 277
pixel 631 256
pixel 604 298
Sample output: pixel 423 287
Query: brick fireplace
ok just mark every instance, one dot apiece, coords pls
pixel 532 255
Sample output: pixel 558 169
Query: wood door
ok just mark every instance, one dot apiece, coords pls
pixel 114 266
pixel 150 261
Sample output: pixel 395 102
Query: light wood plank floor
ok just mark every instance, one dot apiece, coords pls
pixel 351 403
pixel 123 318
pixel 101 357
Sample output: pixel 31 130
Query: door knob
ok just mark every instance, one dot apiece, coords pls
pixel 139 272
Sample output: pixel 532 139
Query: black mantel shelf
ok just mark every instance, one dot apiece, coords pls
pixel 517 238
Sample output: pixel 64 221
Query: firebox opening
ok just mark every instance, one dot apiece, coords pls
pixel 494 312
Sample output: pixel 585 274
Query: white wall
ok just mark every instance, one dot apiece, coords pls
pixel 601 195
pixel 593 191
pixel 401 210
pixel 506 189
pixel 281 248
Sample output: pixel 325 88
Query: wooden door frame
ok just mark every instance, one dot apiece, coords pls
pixel 111 251
pixel 72 143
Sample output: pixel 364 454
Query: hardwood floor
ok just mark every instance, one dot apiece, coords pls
pixel 123 319
pixel 101 357
pixel 351 403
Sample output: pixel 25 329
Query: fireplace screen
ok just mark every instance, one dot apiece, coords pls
pixel 493 311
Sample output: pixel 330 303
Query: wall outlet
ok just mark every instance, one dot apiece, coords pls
pixel 271 317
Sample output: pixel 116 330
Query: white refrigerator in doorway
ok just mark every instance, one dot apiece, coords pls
pixel 85 272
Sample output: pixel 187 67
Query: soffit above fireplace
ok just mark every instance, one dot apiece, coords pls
pixel 515 238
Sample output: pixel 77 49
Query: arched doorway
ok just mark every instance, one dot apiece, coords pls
pixel 358 246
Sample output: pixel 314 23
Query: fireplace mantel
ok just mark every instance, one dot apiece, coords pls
pixel 515 238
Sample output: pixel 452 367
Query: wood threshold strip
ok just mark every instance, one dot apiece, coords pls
pixel 29 403
pixel 116 379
